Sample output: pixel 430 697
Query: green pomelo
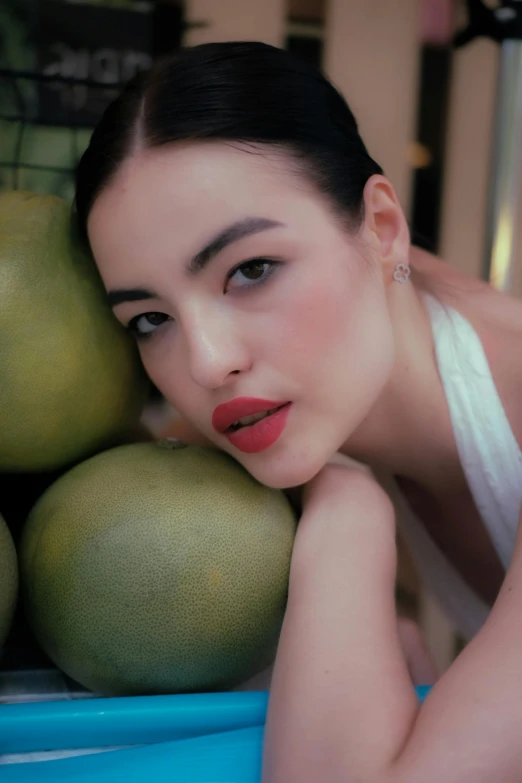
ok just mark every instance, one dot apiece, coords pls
pixel 8 580
pixel 71 381
pixel 152 569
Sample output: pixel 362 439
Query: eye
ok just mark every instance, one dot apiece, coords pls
pixel 144 325
pixel 256 272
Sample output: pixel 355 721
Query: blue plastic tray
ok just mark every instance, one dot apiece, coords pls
pixel 197 738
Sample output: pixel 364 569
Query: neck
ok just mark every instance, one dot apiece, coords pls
pixel 408 432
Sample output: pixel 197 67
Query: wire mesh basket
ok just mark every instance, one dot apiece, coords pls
pixel 61 64
pixel 35 155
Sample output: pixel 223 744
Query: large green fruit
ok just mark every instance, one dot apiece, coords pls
pixel 71 382
pixel 8 580
pixel 149 569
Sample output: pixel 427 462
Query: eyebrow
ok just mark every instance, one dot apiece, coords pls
pixel 233 233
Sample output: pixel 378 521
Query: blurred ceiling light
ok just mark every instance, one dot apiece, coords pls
pixel 502 251
pixel 419 156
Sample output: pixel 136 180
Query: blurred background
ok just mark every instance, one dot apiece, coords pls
pixel 425 108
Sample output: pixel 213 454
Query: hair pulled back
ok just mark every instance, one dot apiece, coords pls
pixel 237 91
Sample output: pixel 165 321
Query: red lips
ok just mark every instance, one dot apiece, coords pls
pixel 226 414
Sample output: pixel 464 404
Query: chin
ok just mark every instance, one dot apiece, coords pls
pixel 284 473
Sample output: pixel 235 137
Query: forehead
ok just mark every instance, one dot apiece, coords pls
pixel 197 184
pixel 165 204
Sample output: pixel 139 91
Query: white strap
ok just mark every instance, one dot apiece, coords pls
pixel 490 455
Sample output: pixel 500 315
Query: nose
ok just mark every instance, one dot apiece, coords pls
pixel 216 349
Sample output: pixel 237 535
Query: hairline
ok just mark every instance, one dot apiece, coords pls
pixel 303 169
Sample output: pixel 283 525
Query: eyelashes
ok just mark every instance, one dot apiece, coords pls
pixel 256 262
pixel 149 324
pixel 145 325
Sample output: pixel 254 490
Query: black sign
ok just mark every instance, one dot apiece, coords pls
pixel 86 43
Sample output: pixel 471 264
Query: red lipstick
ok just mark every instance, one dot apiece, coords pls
pixel 257 436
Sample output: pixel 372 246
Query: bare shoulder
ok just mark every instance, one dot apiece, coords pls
pixel 475 298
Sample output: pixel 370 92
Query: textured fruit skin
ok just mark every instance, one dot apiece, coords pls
pixel 8 580
pixel 147 569
pixel 71 381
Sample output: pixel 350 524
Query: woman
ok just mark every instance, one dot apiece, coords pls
pixel 255 250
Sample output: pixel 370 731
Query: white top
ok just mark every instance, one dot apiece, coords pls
pixel 490 456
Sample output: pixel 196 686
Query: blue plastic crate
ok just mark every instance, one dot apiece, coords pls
pixel 196 738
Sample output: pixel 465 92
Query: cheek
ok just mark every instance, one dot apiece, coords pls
pixel 319 321
pixel 312 323
pixel 168 368
pixel 160 366
pixel 339 337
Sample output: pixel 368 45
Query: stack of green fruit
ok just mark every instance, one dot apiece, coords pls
pixel 144 567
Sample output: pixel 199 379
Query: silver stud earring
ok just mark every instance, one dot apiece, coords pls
pixel 402 273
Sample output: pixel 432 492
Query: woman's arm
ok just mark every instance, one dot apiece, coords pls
pixel 342 707
pixel 342 703
pixel 470 726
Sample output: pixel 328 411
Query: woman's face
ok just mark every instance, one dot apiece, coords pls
pixel 281 303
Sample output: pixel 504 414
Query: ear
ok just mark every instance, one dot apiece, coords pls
pixel 385 225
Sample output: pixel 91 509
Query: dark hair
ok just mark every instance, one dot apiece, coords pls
pixel 236 91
